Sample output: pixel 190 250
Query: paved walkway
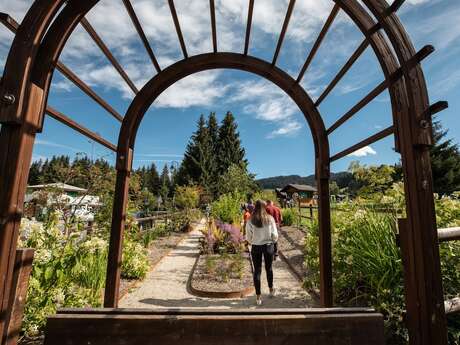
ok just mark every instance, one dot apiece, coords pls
pixel 166 285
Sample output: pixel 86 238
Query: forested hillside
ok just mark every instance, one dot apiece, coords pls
pixel 342 179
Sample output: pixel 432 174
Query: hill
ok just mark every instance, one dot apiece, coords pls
pixel 342 178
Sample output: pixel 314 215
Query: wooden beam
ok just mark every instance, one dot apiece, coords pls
pixel 248 27
pixel 372 139
pixel 212 8
pixel 112 284
pixel 18 293
pixel 86 89
pixel 100 43
pixel 178 29
pixel 283 30
pixel 395 6
pixel 11 24
pixel 438 107
pixel 449 234
pixel 452 306
pixel 361 104
pixel 82 130
pixel 220 328
pixel 396 76
pixel 358 52
pixel 141 33
pixel 317 44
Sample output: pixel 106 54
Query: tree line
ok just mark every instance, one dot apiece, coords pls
pixel 214 160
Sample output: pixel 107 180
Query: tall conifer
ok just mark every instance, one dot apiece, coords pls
pixel 229 150
pixel 445 162
pixel 198 157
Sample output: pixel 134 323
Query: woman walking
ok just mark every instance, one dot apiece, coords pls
pixel 261 233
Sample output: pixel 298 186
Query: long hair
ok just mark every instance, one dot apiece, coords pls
pixel 260 217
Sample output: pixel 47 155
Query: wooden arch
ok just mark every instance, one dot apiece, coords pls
pixel 24 92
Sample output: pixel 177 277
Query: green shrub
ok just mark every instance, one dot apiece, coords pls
pixel 227 208
pixel 187 197
pixel 135 263
pixel 289 216
pixel 368 269
pixel 67 271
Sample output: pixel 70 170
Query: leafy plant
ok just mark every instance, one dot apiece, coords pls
pixel 222 238
pixel 135 263
pixel 367 264
pixel 289 216
pixel 227 208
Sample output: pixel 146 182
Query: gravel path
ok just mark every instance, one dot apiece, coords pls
pixel 166 285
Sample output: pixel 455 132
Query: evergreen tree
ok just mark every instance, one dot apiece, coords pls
pixel 213 168
pixel 445 162
pixel 152 179
pixel 213 129
pixel 35 172
pixel 165 183
pixel 197 164
pixel 229 150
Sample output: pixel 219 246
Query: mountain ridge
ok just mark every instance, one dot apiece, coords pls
pixel 341 178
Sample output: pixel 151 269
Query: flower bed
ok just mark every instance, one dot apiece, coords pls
pixel 222 276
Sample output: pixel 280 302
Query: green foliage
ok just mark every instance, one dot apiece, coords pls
pixel 149 178
pixel 445 162
pixel 229 150
pixel 187 197
pixel 265 194
pixel 67 271
pixel 135 262
pixel 447 212
pixel 222 238
pixel 226 266
pixel 237 180
pixel 367 263
pixel 289 216
pixel 371 180
pixel 210 153
pixel 228 208
pixel 199 165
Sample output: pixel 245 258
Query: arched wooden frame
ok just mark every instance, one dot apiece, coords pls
pixel 27 78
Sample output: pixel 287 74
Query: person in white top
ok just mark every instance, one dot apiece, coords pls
pixel 261 233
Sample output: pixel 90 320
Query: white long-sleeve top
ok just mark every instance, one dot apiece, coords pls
pixel 264 235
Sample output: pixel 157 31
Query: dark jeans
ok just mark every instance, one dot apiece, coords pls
pixel 266 251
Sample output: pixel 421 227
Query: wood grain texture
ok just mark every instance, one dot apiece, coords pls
pixel 244 328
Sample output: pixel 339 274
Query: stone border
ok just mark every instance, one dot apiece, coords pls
pixel 216 294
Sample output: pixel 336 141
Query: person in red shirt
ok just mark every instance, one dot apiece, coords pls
pixel 275 212
pixel 246 216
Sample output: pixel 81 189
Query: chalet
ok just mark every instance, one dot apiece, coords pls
pixel 305 194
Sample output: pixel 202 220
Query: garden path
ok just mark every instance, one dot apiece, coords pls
pixel 166 285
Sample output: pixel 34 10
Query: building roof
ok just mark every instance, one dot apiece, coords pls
pixel 299 187
pixel 59 185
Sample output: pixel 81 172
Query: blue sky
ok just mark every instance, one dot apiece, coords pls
pixel 273 131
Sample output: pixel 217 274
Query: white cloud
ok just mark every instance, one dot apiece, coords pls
pixel 200 89
pixel 267 102
pixel 363 152
pixel 57 145
pixel 288 129
pixel 62 85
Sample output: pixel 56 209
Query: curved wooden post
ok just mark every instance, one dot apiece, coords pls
pixel 325 243
pixel 112 283
pixel 16 143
